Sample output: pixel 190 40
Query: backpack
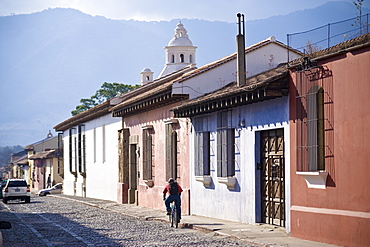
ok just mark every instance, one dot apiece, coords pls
pixel 174 189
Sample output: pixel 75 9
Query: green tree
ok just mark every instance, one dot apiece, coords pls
pixel 106 92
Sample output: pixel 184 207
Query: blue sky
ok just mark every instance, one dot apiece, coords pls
pixel 147 10
pixel 156 10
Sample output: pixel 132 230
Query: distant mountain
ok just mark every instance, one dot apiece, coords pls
pixel 51 59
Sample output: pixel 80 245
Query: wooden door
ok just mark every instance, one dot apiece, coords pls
pixel 272 185
pixel 132 191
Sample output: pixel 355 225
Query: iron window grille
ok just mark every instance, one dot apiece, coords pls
pixel 225 146
pixel 201 149
pixel 171 152
pixel 314 113
pixel 147 155
pixel 81 149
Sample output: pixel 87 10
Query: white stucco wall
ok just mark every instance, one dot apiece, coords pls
pixel 241 204
pixel 102 173
pixel 101 170
pixel 258 60
pixel 69 179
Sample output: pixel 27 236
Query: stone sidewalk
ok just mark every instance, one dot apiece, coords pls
pixel 258 234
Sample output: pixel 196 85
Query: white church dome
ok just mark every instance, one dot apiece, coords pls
pixel 180 52
pixel 180 42
pixel 146 70
pixel 181 37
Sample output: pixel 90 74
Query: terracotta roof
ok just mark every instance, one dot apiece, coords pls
pixel 21 160
pixel 44 155
pixel 149 95
pixel 143 96
pixel 232 56
pixel 32 146
pixel 29 147
pixel 360 41
pixel 92 113
pixel 267 85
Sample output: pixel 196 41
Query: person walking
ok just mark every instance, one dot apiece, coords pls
pixel 174 190
pixel 49 182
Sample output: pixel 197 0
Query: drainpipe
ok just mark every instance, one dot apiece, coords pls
pixel 240 51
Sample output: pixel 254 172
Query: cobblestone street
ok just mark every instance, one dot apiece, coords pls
pixel 49 221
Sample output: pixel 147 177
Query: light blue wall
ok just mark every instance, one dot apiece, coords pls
pixel 240 204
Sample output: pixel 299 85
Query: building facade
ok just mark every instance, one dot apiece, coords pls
pixel 239 169
pixel 90 152
pixel 238 161
pixel 329 126
pixel 43 159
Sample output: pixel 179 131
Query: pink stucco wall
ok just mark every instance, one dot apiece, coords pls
pixel 39 176
pixel 339 214
pixel 152 196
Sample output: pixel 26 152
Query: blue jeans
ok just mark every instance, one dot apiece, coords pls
pixel 177 199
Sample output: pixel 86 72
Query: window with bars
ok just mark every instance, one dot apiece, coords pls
pixel 315 129
pixel 60 154
pixel 225 146
pixel 74 167
pixel 314 120
pixel 72 151
pixel 201 149
pixel 171 152
pixel 70 156
pixel 81 149
pixel 147 155
pixel 94 137
pixel 103 144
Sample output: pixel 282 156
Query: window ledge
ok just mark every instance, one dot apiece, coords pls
pixel 148 126
pixel 171 121
pixel 315 180
pixel 149 183
pixel 206 180
pixel 229 181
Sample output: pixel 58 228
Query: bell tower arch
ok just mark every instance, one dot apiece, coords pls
pixel 180 51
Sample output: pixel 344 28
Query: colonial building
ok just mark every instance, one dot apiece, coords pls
pixel 90 151
pixel 20 167
pixel 153 146
pixel 103 153
pixel 44 159
pixel 329 127
pixel 239 132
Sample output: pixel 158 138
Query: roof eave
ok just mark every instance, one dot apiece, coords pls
pixel 269 88
pixel 150 103
pixel 95 112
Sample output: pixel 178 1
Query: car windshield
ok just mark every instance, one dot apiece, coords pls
pixel 17 184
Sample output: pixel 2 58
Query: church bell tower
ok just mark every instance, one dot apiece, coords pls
pixel 180 51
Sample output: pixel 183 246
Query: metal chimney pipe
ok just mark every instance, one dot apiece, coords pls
pixel 240 51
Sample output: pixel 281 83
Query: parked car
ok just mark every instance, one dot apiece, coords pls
pixel 56 189
pixel 16 189
pixel 2 185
